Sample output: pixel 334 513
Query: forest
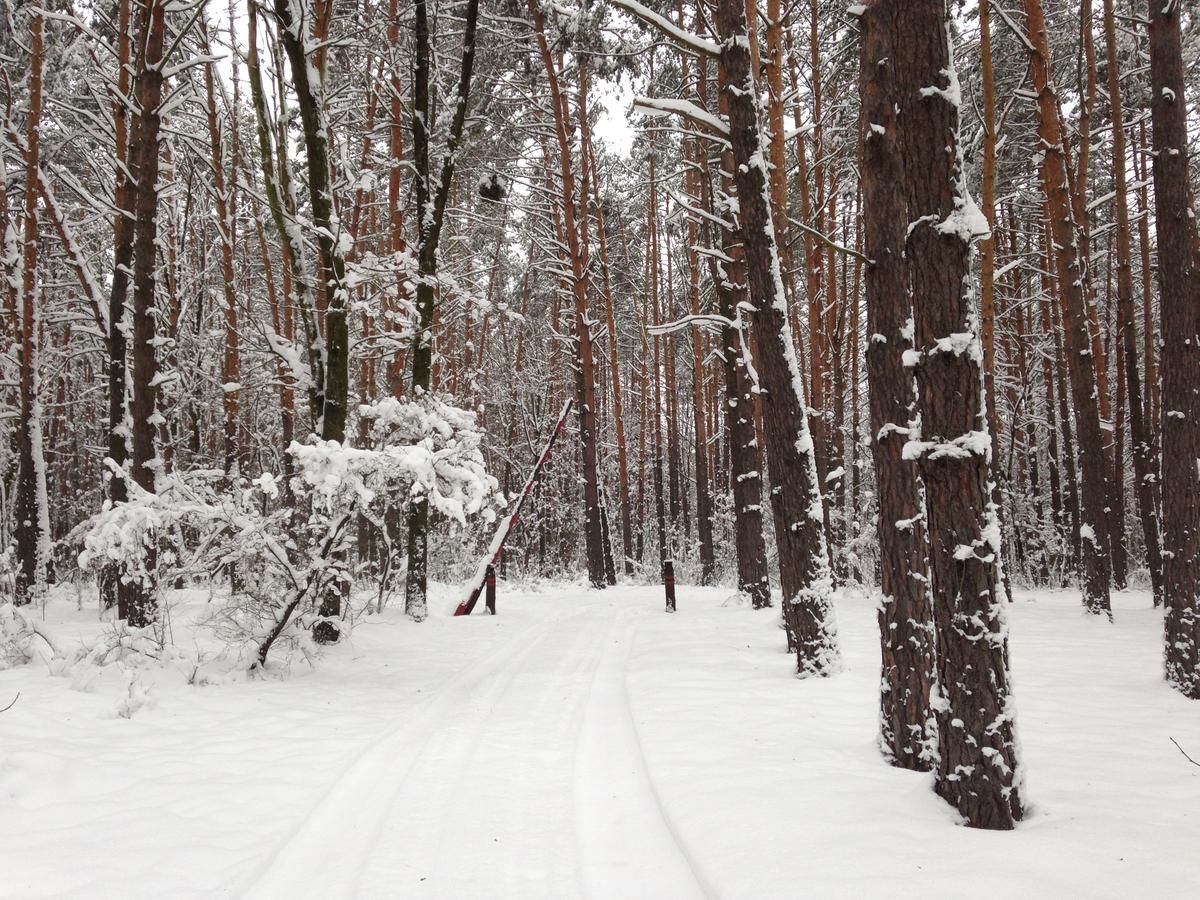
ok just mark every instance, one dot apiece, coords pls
pixel 323 313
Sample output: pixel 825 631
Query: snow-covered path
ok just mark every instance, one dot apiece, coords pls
pixel 527 763
pixel 582 744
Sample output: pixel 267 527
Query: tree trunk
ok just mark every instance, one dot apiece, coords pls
pixel 745 455
pixel 31 516
pixel 618 398
pixel 796 494
pixel 143 389
pixel 907 731
pixel 978 770
pixel 431 208
pixel 226 226
pixel 1093 528
pixel 112 585
pixel 1179 303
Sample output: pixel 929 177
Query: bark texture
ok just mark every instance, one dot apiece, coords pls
pixel 908 735
pixel 795 492
pixel 1179 300
pixel 978 771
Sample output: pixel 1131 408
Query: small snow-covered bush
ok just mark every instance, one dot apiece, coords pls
pixel 285 545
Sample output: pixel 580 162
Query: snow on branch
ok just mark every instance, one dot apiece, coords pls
pixel 709 322
pixel 669 28
pixel 663 106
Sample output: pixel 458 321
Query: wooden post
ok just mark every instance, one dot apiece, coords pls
pixel 490 596
pixel 668 573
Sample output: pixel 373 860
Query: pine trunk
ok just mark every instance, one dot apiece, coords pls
pixel 796 494
pixel 1093 528
pixel 978 771
pixel 1179 303
pixel 907 730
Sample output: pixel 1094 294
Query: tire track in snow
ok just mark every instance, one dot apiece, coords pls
pixel 630 847
pixel 498 821
pixel 359 801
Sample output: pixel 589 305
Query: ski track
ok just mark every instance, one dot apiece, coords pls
pixel 522 776
pixel 629 847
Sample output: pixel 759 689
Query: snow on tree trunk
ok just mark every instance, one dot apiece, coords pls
pixel 978 769
pixel 144 464
pixel 432 193
pixel 908 735
pixel 30 513
pixel 1178 261
pixel 795 493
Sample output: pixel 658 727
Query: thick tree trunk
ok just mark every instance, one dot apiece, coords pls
pixel 908 734
pixel 796 494
pixel 987 254
pixel 1093 528
pixel 978 771
pixel 1179 302
pixel 307 78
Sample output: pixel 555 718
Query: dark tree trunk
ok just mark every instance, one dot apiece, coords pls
pixel 1179 303
pixel 907 731
pixel 310 101
pixel 796 494
pixel 30 514
pixel 745 456
pixel 111 583
pixel 143 390
pixel 431 207
pixel 978 770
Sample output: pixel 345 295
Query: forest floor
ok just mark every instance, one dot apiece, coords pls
pixel 581 744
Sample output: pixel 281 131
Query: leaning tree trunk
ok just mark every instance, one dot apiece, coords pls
pixel 1179 302
pixel 796 494
pixel 908 735
pixel 1093 529
pixel 978 770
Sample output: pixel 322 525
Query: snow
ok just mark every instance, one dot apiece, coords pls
pixel 579 743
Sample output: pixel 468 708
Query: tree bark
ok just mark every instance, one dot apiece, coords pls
pixel 1093 528
pixel 908 734
pixel 143 388
pixel 431 209
pixel 745 454
pixel 1143 472
pixel 31 517
pixel 796 494
pixel 1179 303
pixel 978 771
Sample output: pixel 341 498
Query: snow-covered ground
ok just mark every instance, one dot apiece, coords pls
pixel 583 744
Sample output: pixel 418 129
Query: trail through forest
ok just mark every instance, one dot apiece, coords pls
pixel 580 744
